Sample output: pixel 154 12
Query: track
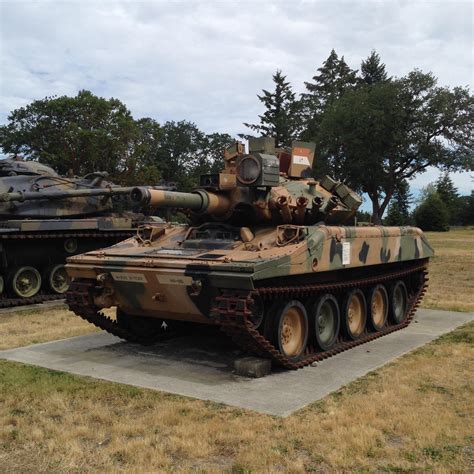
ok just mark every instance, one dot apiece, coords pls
pixel 79 300
pixel 233 308
pixel 233 312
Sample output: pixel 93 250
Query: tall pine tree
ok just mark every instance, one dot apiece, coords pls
pixel 399 208
pixel 330 82
pixel 449 195
pixel 281 117
pixel 372 70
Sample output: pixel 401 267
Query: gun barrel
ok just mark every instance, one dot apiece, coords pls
pixel 199 201
pixel 68 194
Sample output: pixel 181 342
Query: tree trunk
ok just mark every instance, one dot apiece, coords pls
pixel 379 209
pixel 376 218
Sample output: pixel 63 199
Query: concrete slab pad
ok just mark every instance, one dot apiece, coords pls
pixel 201 367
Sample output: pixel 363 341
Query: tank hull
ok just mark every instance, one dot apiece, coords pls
pixel 240 286
pixel 160 280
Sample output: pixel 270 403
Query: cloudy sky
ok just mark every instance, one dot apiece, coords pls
pixel 205 61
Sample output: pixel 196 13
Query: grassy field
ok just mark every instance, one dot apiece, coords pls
pixel 451 284
pixel 414 414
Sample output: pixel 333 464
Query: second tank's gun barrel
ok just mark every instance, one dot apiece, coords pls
pixel 22 196
pixel 200 201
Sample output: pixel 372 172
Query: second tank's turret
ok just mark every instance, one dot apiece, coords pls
pixel 267 185
pixel 29 189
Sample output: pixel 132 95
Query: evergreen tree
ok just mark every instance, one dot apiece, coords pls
pixel 449 194
pixel 330 82
pixel 466 209
pixel 281 117
pixel 398 210
pixel 372 70
pixel 432 214
pixel 334 77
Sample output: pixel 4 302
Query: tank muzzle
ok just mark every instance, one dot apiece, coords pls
pixel 140 195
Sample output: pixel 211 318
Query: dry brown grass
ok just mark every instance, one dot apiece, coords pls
pixel 31 327
pixel 415 414
pixel 451 284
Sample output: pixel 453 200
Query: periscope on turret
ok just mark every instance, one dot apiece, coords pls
pixel 269 255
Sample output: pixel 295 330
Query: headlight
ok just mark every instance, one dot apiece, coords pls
pixel 248 170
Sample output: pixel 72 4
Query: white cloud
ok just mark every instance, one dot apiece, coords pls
pixel 205 61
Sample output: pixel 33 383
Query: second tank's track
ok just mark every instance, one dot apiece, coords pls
pixel 232 312
pixel 7 302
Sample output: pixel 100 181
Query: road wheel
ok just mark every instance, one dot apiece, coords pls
pixel 2 285
pixel 25 282
pixel 291 329
pixel 354 314
pixel 57 279
pixel 378 307
pixel 326 321
pixel 398 298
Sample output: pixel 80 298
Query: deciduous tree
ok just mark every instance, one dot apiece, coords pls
pixel 377 136
pixel 83 133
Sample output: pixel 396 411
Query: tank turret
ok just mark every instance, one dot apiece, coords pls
pixel 265 185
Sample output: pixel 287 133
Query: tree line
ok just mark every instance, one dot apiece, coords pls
pixel 438 207
pixel 81 134
pixel 373 131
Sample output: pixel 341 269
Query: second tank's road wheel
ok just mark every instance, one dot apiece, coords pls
pixel 25 282
pixel 326 321
pixel 378 307
pixel 147 330
pixel 398 298
pixel 354 314
pixel 290 329
pixel 57 279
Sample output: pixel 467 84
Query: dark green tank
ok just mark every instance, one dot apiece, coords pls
pixel 44 218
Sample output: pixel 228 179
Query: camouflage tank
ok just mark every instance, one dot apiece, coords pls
pixel 266 257
pixel 45 217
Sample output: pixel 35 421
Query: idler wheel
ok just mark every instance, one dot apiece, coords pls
pixel 326 321
pixel 57 279
pixel 398 298
pixel 291 329
pixel 378 307
pixel 25 282
pixel 354 314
